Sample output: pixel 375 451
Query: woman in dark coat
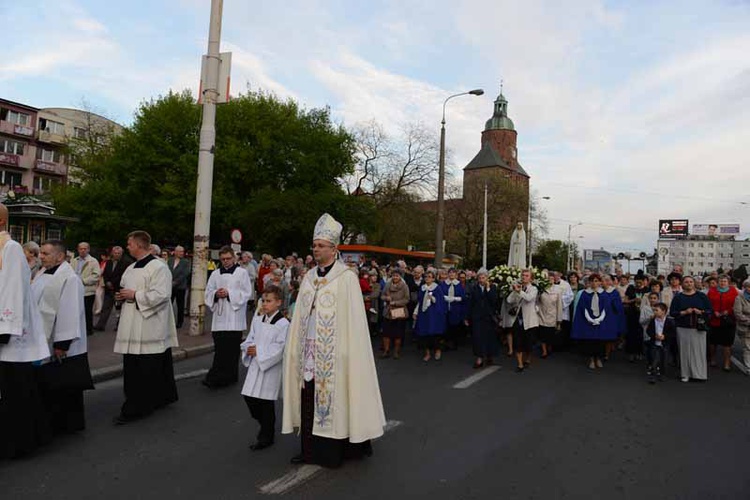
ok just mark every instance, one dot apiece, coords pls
pixel 481 310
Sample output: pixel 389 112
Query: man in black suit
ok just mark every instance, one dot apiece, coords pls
pixel 180 268
pixel 111 275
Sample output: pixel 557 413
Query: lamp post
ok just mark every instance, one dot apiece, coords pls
pixel 441 182
pixel 484 241
pixel 531 240
pixel 570 228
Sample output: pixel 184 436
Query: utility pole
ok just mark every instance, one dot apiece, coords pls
pixel 205 172
pixel 484 243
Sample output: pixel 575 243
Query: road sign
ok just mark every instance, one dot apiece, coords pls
pixel 236 236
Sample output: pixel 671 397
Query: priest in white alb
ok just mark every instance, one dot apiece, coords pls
pixel 23 420
pixel 146 333
pixel 331 391
pixel 227 292
pixel 65 375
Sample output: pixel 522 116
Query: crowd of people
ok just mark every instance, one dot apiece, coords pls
pixel 301 325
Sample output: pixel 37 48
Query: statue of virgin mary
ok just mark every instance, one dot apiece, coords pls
pixel 517 254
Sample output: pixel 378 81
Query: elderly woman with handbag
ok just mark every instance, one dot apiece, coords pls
pixel 396 298
pixel 690 310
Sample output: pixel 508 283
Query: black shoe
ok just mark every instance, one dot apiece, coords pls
pixel 207 383
pixel 260 446
pixel 123 420
pixel 297 460
pixel 651 379
pixel 519 369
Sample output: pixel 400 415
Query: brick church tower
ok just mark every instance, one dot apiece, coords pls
pixel 498 157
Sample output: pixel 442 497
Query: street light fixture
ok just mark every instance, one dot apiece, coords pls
pixel 570 228
pixel 441 182
pixel 531 241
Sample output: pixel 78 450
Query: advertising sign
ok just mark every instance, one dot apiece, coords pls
pixel 716 229
pixel 669 228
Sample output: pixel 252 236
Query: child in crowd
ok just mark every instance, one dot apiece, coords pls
pixel 660 329
pixel 263 353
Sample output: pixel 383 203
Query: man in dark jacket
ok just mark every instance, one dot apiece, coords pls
pixel 180 268
pixel 111 275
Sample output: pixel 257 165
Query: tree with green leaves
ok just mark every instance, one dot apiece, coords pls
pixel 277 168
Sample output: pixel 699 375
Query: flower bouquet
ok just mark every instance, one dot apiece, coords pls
pixel 505 276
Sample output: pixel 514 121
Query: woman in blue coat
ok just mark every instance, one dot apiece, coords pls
pixel 595 321
pixel 455 299
pixel 430 316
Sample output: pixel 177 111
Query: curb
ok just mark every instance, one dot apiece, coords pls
pixel 178 354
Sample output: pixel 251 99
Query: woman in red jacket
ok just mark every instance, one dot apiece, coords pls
pixel 722 321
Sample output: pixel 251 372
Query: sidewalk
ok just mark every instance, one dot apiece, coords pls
pixel 106 364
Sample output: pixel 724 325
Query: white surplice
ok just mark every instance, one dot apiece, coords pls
pixel 347 393
pixel 229 314
pixel 60 299
pixel 263 380
pixel 19 315
pixel 147 324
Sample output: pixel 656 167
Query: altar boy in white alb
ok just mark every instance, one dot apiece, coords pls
pixel 331 390
pixel 227 292
pixel 262 353
pixel 65 375
pixel 146 333
pixel 23 422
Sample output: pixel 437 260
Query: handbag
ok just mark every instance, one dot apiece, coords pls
pixel 398 313
pixel 727 321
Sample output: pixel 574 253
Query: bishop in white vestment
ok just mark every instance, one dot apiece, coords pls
pixel 66 374
pixel 331 391
pixel 23 422
pixel 227 292
pixel 146 333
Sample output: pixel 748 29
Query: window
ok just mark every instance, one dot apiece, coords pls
pixel 16 232
pixel 44 184
pixel 690 254
pixel 12 147
pixel 79 133
pixel 691 245
pixel 710 245
pixel 15 117
pixel 700 245
pixel 51 126
pixel 49 155
pixel 8 178
pixel 54 232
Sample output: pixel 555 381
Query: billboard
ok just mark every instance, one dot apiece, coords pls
pixel 669 228
pixel 716 229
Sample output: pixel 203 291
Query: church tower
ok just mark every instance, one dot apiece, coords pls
pixel 498 156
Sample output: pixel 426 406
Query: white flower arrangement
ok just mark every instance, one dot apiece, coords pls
pixel 504 277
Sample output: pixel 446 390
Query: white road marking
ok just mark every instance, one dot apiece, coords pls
pixel 739 364
pixel 468 382
pixel 193 374
pixel 304 473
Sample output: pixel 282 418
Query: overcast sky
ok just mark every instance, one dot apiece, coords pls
pixel 627 112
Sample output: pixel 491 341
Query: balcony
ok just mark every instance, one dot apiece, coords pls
pixel 12 128
pixel 50 138
pixel 49 167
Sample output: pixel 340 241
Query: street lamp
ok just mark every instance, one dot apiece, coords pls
pixel 531 241
pixel 570 228
pixel 441 183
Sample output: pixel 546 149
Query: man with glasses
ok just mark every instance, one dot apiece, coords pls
pixel 227 292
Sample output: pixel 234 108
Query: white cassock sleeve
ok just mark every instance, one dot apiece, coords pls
pixel 158 290
pixel 67 321
pixel 273 353
pixel 12 289
pixel 249 340
pixel 567 296
pixel 238 296
pixel 211 289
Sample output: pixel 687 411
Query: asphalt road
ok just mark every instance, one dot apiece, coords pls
pixel 554 431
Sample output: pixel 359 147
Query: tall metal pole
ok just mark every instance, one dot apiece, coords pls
pixel 484 242
pixel 205 172
pixel 531 240
pixel 567 260
pixel 440 229
pixel 441 197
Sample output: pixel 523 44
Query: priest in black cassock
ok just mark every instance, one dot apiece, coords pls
pixel 65 375
pixel 146 333
pixel 23 422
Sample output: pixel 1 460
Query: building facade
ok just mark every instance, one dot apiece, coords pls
pixel 35 144
pixel 701 254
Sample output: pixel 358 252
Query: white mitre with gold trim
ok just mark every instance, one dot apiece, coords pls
pixel 329 229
